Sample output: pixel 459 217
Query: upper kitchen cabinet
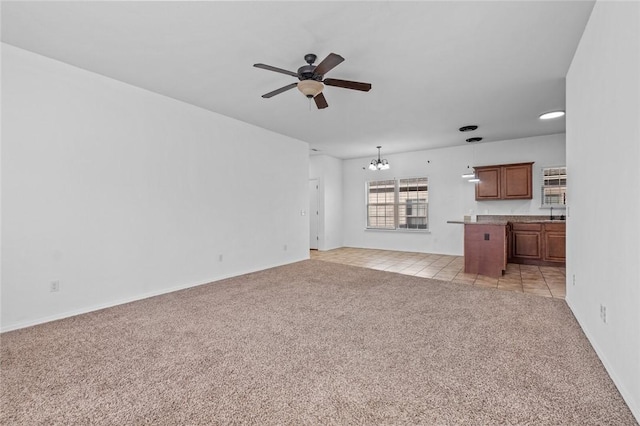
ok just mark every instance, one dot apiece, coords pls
pixel 488 188
pixel 504 182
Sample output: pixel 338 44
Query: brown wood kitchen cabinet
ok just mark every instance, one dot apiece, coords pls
pixel 540 243
pixel 554 242
pixel 526 242
pixel 504 182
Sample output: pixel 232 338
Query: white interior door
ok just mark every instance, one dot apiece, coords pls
pixel 313 214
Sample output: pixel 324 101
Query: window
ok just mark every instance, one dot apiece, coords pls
pixel 398 204
pixel 381 204
pixel 554 186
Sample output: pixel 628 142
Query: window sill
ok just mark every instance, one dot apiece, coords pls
pixel 399 231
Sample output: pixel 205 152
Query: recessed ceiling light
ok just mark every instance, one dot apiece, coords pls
pixel 474 139
pixel 468 128
pixel 551 114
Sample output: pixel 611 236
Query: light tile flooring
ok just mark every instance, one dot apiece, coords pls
pixel 547 281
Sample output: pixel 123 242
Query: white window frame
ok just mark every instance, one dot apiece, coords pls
pixel 396 206
pixel 560 187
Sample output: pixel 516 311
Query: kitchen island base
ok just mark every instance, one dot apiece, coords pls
pixel 485 249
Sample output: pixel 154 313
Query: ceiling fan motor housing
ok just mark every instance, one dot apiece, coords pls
pixel 307 72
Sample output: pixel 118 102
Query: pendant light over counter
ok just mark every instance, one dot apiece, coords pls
pixel 470 174
pixel 551 115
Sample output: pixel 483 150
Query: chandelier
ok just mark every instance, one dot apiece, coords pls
pixel 379 164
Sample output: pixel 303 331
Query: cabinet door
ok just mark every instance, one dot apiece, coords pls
pixel 516 181
pixel 554 246
pixel 489 186
pixel 526 245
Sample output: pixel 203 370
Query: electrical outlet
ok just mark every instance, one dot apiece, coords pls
pixel 220 258
pixel 574 279
pixel 603 313
pixel 285 247
pixel 54 286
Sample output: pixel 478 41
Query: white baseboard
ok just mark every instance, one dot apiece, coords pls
pixel 626 395
pixel 116 302
pixel 97 307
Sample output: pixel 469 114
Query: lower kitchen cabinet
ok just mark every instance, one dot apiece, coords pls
pixel 526 242
pixel 537 243
pixel 554 242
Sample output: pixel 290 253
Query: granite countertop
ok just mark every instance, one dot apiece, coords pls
pixel 504 219
pixel 484 222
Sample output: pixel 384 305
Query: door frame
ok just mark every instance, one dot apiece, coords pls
pixel 314 214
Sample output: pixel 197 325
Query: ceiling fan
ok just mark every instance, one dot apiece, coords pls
pixel 312 78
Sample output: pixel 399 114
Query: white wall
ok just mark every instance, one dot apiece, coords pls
pixel 328 171
pixel 120 193
pixel 450 196
pixel 603 153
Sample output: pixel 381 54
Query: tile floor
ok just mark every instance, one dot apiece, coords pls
pixel 547 281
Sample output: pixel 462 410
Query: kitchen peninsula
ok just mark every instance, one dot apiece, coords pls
pixel 494 240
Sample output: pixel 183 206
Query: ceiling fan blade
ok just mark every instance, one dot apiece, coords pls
pixel 280 70
pixel 321 102
pixel 328 64
pixel 346 84
pixel 280 90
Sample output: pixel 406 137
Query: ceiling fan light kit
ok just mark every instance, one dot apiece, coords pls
pixel 312 80
pixel 310 88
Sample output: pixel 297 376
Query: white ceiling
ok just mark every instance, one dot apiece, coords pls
pixel 434 66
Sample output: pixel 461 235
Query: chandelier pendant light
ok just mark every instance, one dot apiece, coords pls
pixel 379 164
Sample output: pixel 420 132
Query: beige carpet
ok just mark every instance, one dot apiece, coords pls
pixel 312 343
